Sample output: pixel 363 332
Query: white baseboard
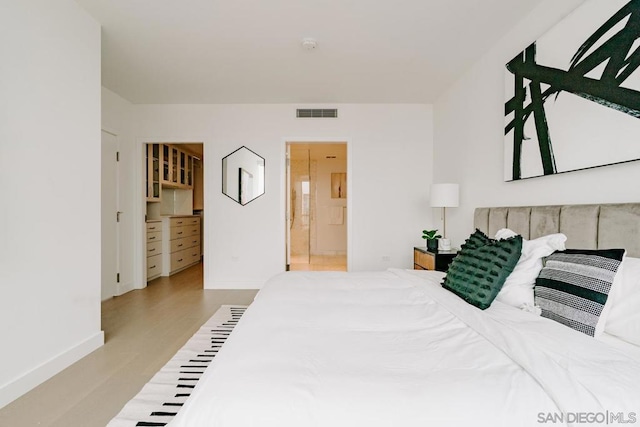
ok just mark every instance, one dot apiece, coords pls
pixel 16 388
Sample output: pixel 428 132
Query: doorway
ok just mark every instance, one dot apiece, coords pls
pixel 316 206
pixel 174 212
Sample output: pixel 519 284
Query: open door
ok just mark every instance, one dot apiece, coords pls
pixel 110 216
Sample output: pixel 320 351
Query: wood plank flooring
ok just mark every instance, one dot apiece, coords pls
pixel 143 330
pixel 318 263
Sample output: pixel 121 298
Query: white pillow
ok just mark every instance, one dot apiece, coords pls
pixel 623 320
pixel 518 288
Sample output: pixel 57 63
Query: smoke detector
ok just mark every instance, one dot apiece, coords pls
pixel 309 44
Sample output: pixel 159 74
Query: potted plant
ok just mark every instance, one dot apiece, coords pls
pixel 431 237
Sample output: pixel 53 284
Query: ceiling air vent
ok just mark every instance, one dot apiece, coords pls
pixel 312 113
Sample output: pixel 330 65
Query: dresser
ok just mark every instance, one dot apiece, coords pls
pixel 154 249
pixel 180 244
pixel 424 259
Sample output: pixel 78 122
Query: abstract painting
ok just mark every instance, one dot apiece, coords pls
pixel 573 95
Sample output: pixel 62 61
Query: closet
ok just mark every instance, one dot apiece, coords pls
pixel 174 209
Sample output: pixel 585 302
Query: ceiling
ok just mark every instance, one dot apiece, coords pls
pixel 249 51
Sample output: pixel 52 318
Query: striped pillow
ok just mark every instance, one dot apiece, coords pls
pixel 574 285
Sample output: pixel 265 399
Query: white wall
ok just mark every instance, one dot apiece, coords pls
pixel 50 186
pixel 469 139
pixel 390 160
pixel 117 118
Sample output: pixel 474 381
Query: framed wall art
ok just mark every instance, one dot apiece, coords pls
pixel 573 96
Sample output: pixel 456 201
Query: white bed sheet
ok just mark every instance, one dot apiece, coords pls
pixel 395 349
pixel 626 347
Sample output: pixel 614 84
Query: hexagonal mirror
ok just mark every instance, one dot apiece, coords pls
pixel 243 175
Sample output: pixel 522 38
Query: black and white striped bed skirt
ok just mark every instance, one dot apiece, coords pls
pixel 161 398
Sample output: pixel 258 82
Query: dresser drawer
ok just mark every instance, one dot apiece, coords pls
pixel 154 248
pixel 184 243
pixel 439 261
pixel 423 261
pixel 180 221
pixel 184 231
pixel 193 230
pixel 154 226
pixel 154 265
pixel 193 221
pixel 184 258
pixel 180 259
pixel 154 236
pixel 194 255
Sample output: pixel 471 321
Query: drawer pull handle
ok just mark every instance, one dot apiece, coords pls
pixel 152 250
pixel 180 232
pixel 196 254
pixel 180 245
pixel 152 238
pixel 153 266
pixel 152 228
pixel 180 260
pixel 179 222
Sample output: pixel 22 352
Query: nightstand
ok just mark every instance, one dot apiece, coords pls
pixel 424 259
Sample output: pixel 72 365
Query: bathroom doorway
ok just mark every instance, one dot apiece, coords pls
pixel 317 206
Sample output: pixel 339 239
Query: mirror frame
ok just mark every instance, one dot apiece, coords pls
pixel 240 174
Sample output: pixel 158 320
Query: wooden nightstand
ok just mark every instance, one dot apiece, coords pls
pixel 424 259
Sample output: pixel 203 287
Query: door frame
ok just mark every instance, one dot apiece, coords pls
pixel 284 196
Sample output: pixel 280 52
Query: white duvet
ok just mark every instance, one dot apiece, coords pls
pixel 395 349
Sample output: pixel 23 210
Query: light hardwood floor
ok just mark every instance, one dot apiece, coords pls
pixel 318 263
pixel 143 330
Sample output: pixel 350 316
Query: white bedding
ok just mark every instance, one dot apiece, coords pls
pixel 395 349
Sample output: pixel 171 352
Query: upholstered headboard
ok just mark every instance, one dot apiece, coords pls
pixel 586 226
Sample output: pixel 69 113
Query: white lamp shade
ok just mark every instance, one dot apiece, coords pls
pixel 444 195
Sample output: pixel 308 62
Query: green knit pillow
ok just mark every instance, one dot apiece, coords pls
pixel 476 240
pixel 478 272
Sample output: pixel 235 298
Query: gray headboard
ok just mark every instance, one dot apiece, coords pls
pixel 586 226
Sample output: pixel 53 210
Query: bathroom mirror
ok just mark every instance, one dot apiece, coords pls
pixel 243 175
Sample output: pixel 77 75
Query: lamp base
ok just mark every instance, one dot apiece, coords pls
pixel 444 244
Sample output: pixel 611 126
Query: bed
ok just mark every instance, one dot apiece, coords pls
pixel 395 348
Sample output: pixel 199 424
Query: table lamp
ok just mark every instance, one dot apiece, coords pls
pixel 444 196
